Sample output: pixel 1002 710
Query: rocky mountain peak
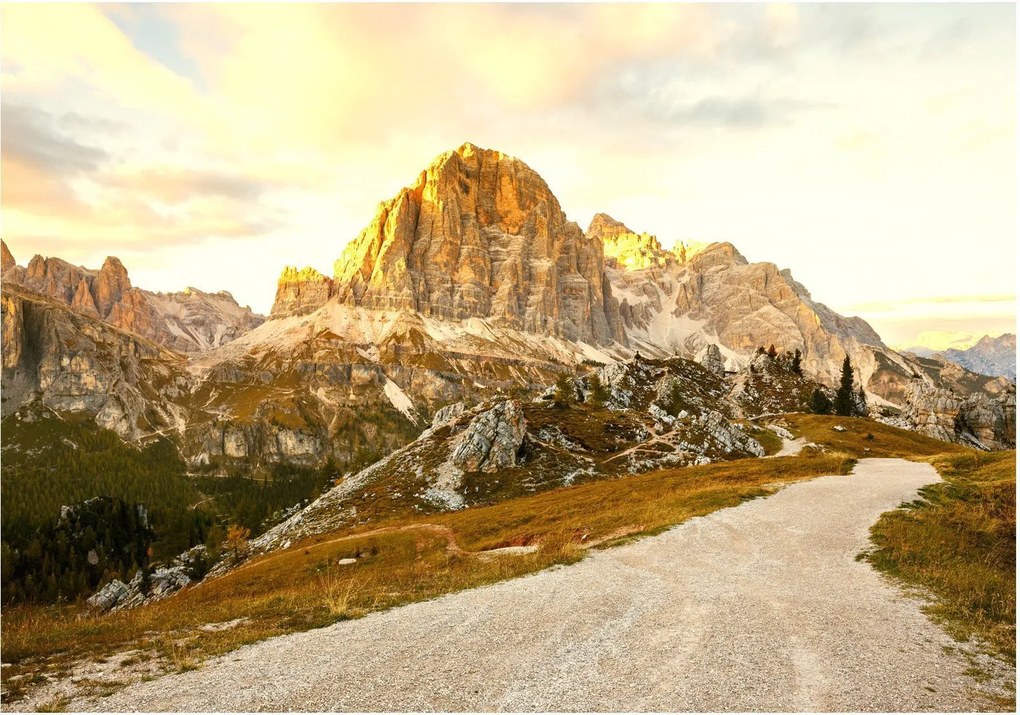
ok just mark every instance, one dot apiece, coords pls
pixel 625 248
pixel 112 283
pixel 187 321
pixel 6 258
pixel 300 291
pixel 480 235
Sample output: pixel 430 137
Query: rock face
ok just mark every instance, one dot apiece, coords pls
pixel 6 259
pixel 480 235
pixel 492 439
pixel 77 364
pixel 162 582
pixel 300 292
pixel 625 248
pixel 980 420
pixel 187 321
pixel 710 358
pixel 989 356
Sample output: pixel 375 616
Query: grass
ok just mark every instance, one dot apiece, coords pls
pixel 885 441
pixel 958 542
pixel 305 587
pixel 769 440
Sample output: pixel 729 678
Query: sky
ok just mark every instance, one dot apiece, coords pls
pixel 869 148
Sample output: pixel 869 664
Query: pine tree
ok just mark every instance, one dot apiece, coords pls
pixel 862 402
pixel 599 394
pixel 845 393
pixel 772 351
pixel 564 395
pixel 820 403
pixel 795 365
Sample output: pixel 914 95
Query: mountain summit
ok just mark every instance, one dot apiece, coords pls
pixel 478 235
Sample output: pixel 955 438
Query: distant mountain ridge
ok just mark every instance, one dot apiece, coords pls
pixel 988 356
pixel 187 321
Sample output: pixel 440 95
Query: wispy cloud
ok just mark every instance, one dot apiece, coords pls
pixel 936 301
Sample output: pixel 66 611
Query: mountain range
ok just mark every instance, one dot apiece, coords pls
pixel 469 285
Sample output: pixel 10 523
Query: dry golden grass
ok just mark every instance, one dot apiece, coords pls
pixel 885 441
pixel 959 543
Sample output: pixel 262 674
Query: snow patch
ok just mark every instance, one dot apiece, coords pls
pixel 399 399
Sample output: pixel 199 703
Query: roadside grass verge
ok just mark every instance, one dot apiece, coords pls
pixel 307 587
pixel 958 542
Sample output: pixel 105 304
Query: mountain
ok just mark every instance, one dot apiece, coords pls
pixel 470 285
pixel 478 235
pixel 188 321
pixel 74 363
pixel 989 356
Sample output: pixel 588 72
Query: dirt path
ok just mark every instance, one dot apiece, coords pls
pixel 791 447
pixel 760 607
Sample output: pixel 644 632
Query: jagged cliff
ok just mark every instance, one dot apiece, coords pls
pixel 74 363
pixel 186 321
pixel 477 235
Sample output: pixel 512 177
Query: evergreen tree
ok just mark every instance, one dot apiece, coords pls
pixel 599 393
pixel 845 393
pixel 772 351
pixel 564 395
pixel 820 403
pixel 795 365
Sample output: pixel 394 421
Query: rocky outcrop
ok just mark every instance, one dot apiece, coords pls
pixel 300 292
pixel 978 419
pixel 163 581
pixel 188 321
pixel 625 248
pixel 6 259
pixel 448 414
pixel 710 358
pixel 480 235
pixel 492 439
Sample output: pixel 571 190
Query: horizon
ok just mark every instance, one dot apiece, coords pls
pixel 180 140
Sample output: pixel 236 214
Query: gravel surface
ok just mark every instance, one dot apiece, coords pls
pixel 761 607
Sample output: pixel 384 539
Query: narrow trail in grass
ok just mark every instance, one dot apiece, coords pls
pixel 759 607
pixel 790 448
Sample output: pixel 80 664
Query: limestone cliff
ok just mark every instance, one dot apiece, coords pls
pixel 300 292
pixel 77 364
pixel 480 235
pixel 186 321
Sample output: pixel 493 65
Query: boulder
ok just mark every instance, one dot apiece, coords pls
pixel 710 358
pixel 492 439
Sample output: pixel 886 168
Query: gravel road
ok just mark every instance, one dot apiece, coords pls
pixel 761 607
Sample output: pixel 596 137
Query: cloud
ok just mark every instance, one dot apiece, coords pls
pixel 174 185
pixel 751 111
pixel 31 136
pixel 935 301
